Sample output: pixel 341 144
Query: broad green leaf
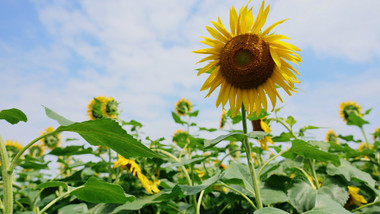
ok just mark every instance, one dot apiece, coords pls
pixel 324 205
pixel 193 114
pixel 270 210
pixel 74 209
pixel 284 137
pixel 53 184
pixel 239 171
pixel 187 161
pixel 107 132
pixel 191 190
pixel 304 149
pixel 302 130
pixel 273 196
pixel 335 188
pixel 13 115
pixel 177 119
pixel 207 129
pixel 302 196
pixel 103 208
pixel 99 191
pixel 262 114
pixel 31 164
pixel 138 203
pixel 61 120
pixel 348 172
pixel 25 212
pixel 321 144
pixel 70 151
pixel 355 120
pixel 239 135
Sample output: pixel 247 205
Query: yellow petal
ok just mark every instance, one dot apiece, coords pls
pixel 275 57
pixel 211 57
pixel 274 37
pixel 208 67
pixel 284 45
pixel 272 26
pixel 258 17
pixel 214 33
pixel 233 21
pixel 221 29
pixel 207 51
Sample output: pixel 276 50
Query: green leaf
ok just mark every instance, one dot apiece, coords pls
pixel 74 209
pixel 70 151
pixel 107 132
pixel 206 129
pixel 193 114
pixel 291 121
pixel 302 196
pixel 348 172
pixel 99 191
pixel 241 172
pixel 368 111
pixel 324 205
pixel 53 184
pixel 303 130
pixel 187 161
pixel 191 190
pixel 13 115
pixel 304 149
pixel 355 120
pixel 262 114
pixel 238 135
pixel 61 120
pixel 138 203
pixel 284 137
pixel 336 189
pixel 177 119
pixel 273 196
pixel 270 210
pixel 349 138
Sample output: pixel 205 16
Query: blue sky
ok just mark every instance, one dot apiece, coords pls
pixel 61 54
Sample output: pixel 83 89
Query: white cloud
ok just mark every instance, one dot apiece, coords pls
pixel 140 54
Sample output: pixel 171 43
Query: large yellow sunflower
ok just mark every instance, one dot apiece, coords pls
pixel 248 63
pixel 349 107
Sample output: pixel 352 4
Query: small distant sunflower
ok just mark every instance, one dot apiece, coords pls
pixel 233 150
pixel 13 147
pixel 101 107
pixel 355 198
pixel 248 63
pixel 51 141
pixel 376 134
pixel 261 125
pixel 331 136
pixel 364 146
pixel 132 167
pixel 183 106
pixel 181 138
pixel 223 119
pixel 346 108
pixel 36 150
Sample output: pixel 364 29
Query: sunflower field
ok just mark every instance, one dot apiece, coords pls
pixel 114 168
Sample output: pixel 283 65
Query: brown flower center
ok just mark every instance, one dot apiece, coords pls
pixel 246 62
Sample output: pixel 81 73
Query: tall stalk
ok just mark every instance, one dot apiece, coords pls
pixel 247 147
pixel 7 179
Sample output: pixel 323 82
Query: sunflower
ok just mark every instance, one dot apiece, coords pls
pixel 261 125
pixel 51 141
pixel 181 138
pixel 183 106
pixel 36 150
pixel 376 134
pixel 355 197
pixel 101 107
pixel 364 146
pixel 223 119
pixel 248 63
pixel 346 108
pixel 331 136
pixel 13 147
pixel 132 167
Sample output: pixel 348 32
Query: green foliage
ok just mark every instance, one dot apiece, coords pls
pixel 13 115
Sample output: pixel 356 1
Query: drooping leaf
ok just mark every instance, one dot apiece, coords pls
pixel 273 196
pixel 193 114
pixel 99 191
pixel 74 209
pixel 61 120
pixel 13 115
pixel 348 172
pixel 107 132
pixel 349 138
pixel 191 190
pixel 355 120
pixel 238 135
pixel 284 137
pixel 291 121
pixel 302 196
pixel 177 119
pixel 304 149
pixel 335 188
pixel 138 203
pixel 239 171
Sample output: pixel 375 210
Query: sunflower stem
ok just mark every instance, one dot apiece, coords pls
pixel 109 164
pixel 7 179
pixel 365 136
pixel 247 148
